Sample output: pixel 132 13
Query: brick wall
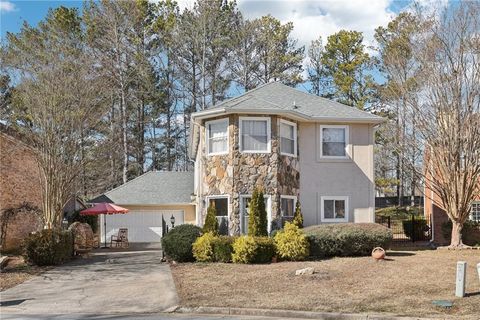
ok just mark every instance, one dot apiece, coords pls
pixel 438 218
pixel 19 183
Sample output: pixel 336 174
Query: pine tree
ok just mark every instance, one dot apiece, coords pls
pixel 257 216
pixel 211 222
pixel 298 217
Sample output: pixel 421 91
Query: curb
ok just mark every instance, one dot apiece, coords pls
pixel 290 314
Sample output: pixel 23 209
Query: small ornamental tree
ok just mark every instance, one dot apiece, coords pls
pixel 211 222
pixel 257 215
pixel 298 217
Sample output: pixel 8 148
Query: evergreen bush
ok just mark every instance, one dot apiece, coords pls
pixel 211 221
pixel 257 216
pixel 49 247
pixel 223 248
pixel 347 239
pixel 202 248
pixel 248 249
pixel 177 244
pixel 291 243
pixel 298 217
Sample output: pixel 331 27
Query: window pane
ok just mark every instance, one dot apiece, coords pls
pixel 221 206
pixel 286 130
pixel 475 216
pixel 218 137
pixel 339 209
pixel 254 135
pixel 287 208
pixel 287 145
pixel 328 209
pixel 333 143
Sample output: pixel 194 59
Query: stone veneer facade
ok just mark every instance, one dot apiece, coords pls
pixel 237 173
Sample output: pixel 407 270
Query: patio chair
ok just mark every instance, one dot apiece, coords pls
pixel 120 239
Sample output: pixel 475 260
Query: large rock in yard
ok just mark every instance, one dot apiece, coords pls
pixel 308 270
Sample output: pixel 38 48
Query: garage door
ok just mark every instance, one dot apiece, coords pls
pixel 143 226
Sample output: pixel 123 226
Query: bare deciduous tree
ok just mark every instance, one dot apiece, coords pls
pixel 445 109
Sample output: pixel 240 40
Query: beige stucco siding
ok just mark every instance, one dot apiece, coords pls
pixel 189 210
pixel 352 177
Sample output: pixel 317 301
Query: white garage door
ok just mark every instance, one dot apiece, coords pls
pixel 143 226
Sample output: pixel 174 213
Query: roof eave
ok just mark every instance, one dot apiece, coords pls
pixel 202 115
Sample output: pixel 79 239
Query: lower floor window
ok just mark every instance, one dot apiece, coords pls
pixel 244 211
pixel 475 214
pixel 287 208
pixel 221 207
pixel 334 209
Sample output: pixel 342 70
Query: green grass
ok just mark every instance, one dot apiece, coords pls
pixel 399 212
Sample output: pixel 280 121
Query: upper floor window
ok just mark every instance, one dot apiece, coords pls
pixel 475 214
pixel 217 136
pixel 333 141
pixel 255 134
pixel 288 138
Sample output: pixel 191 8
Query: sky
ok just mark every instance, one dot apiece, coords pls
pixel 311 18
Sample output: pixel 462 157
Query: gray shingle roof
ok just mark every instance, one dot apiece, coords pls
pixel 277 97
pixel 152 188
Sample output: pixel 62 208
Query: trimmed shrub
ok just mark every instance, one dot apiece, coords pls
pixel 247 249
pixel 347 239
pixel 223 248
pixel 177 244
pixel 202 248
pixel 49 247
pixel 419 228
pixel 470 232
pixel 211 221
pixel 291 243
pixel 257 215
pixel 298 217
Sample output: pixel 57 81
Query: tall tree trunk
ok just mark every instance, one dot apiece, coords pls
pixel 456 240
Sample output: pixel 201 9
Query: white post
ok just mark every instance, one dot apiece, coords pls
pixel 461 275
pixel 478 269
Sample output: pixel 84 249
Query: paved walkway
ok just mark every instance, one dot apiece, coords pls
pixel 106 283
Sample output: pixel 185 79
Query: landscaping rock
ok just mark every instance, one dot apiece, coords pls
pixel 308 270
pixel 83 237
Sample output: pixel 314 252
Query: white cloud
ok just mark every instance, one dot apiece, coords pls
pixel 7 6
pixel 314 18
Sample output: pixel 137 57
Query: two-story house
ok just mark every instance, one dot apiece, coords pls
pixel 294 146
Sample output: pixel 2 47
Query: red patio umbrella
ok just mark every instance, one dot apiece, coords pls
pixel 104 208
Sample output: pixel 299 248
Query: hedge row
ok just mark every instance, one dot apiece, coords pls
pixel 184 243
pixel 347 239
pixel 49 247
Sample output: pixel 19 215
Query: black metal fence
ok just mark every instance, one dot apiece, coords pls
pixel 383 202
pixel 408 228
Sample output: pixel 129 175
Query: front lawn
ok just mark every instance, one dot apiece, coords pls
pixel 405 284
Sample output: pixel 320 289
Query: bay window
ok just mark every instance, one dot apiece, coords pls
pixel 255 134
pixel 288 138
pixel 217 136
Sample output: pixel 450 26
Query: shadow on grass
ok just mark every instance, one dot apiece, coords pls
pixel 472 294
pixel 399 254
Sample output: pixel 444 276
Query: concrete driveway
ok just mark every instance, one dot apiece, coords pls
pixel 106 283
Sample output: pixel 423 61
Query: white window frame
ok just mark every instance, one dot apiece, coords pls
pixel 322 208
pixel 207 136
pixel 294 204
pixel 476 203
pixel 269 134
pixel 294 125
pixel 268 208
pixel 220 196
pixel 347 140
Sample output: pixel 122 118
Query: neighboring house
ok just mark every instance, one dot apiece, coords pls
pixel 294 146
pixel 148 198
pixel 19 189
pixel 437 216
